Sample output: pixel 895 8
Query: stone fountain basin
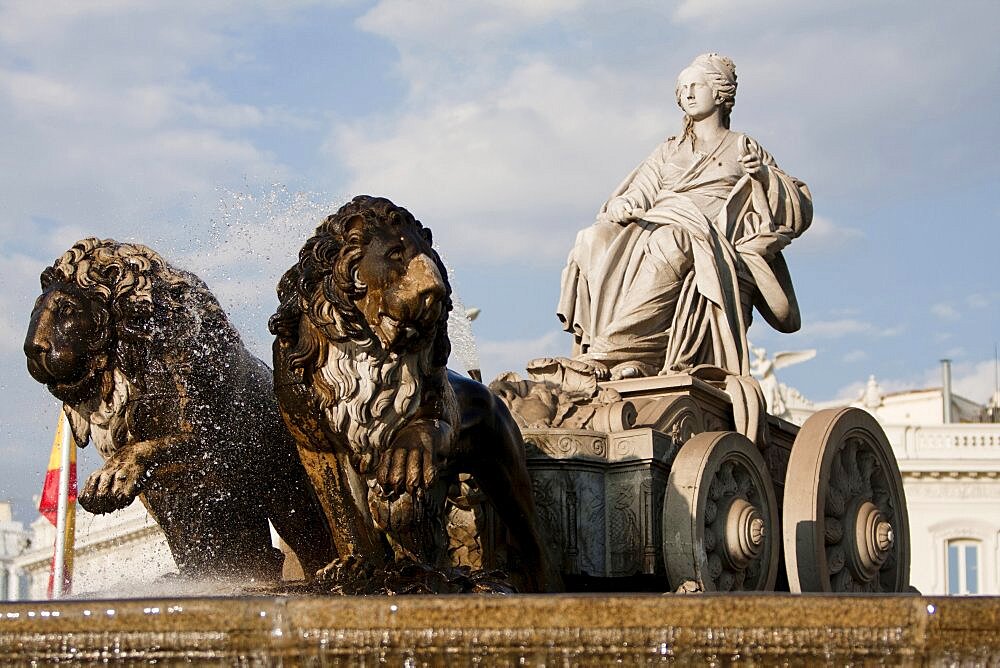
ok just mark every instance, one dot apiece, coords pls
pixel 568 629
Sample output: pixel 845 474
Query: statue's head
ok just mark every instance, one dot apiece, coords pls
pixel 714 74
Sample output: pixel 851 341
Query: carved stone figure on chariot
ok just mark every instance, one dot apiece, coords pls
pixel 686 247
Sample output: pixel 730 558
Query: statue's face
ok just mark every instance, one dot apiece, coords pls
pixel 695 95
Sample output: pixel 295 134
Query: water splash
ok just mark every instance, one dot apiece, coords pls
pixel 253 238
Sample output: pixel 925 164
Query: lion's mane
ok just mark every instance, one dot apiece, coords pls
pixel 366 392
pixel 148 312
pixel 129 283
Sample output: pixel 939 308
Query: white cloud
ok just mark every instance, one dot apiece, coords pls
pixel 508 175
pixel 854 356
pixel 720 11
pixel 974 380
pixel 126 136
pixel 446 23
pixel 980 301
pixel 945 311
pixel 511 355
pixel 835 329
pixel 843 327
pixel 438 39
pixel 825 236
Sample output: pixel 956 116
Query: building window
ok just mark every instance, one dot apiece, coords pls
pixel 963 567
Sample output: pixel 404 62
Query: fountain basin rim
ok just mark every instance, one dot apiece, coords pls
pixel 588 627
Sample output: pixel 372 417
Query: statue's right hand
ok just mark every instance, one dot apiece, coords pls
pixel 619 210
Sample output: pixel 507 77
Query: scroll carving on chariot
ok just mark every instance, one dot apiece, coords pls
pixel 658 393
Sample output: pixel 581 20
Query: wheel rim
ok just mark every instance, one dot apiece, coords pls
pixel 720 520
pixel 846 527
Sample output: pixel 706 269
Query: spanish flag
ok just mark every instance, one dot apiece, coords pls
pixel 49 504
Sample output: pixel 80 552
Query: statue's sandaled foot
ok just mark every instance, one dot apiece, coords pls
pixel 582 365
pixel 588 365
pixel 632 369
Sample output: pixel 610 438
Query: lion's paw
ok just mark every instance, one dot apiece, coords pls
pixel 112 487
pixel 345 570
pixel 410 464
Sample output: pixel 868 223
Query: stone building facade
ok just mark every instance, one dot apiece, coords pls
pixel 951 477
pixel 117 555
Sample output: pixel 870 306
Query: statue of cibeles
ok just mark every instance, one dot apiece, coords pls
pixel 686 247
pixel 150 370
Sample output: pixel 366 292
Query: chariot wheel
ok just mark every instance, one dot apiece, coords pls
pixel 720 517
pixel 845 522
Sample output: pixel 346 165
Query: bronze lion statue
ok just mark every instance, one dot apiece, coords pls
pixel 149 368
pixel 383 428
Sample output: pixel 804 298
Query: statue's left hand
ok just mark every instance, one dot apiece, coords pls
pixel 113 486
pixel 753 165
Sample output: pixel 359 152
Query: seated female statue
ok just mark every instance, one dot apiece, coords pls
pixel 667 277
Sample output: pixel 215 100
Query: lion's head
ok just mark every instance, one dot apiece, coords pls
pixel 364 319
pixel 369 276
pixel 95 313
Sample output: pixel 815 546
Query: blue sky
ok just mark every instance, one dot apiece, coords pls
pixel 220 133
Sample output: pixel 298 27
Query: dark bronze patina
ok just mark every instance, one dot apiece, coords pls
pixel 149 368
pixel 383 428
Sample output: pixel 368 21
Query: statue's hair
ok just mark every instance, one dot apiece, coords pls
pixel 128 283
pixel 720 75
pixel 124 277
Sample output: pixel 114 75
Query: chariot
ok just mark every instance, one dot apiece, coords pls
pixel 661 492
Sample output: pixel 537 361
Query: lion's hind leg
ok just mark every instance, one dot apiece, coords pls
pixel 212 530
pixel 490 447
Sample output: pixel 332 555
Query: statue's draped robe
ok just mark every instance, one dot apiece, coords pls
pixel 675 288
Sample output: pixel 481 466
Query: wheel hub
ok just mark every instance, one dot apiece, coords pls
pixel 745 533
pixel 873 538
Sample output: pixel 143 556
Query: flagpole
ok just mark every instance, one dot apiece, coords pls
pixel 59 574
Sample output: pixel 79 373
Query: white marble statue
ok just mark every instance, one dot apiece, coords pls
pixel 667 277
pixel 762 367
